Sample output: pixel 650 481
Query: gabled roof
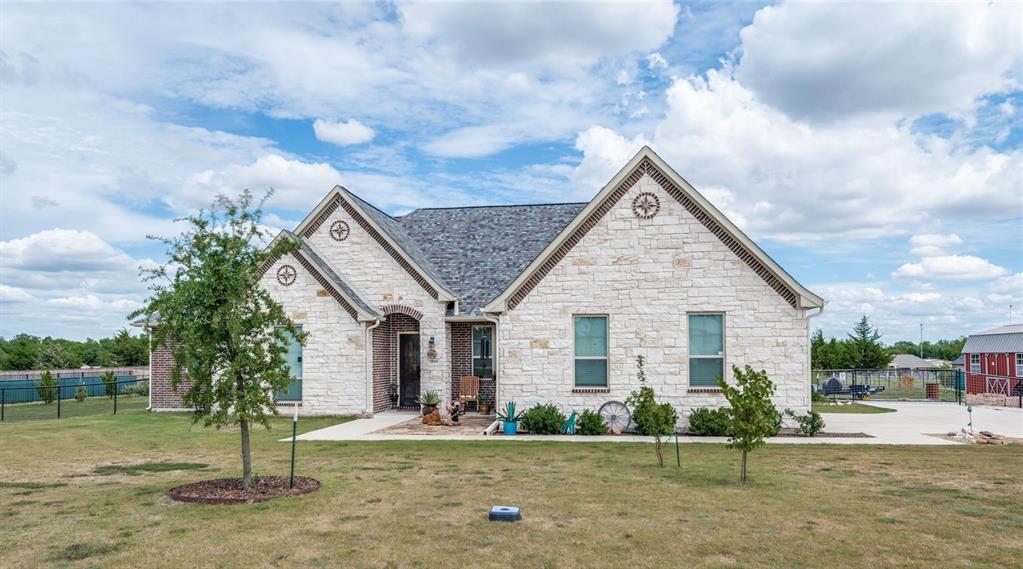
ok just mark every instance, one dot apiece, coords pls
pixel 479 250
pixel 646 161
pixel 387 233
pixel 349 299
pixel 1004 339
pixel 910 361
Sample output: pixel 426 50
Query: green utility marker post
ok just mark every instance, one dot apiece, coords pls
pixel 294 434
pixel 678 455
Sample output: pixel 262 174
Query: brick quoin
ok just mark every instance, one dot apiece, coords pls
pixel 162 396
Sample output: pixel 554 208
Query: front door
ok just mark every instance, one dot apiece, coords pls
pixel 408 369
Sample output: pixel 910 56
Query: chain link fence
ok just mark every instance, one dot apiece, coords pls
pixel 891 384
pixel 72 397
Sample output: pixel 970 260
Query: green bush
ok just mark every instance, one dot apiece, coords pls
pixel 109 383
pixel 590 423
pixel 81 393
pixel 139 388
pixel 47 387
pixel 652 419
pixel 817 397
pixel 809 424
pixel 776 418
pixel 543 419
pixel 710 422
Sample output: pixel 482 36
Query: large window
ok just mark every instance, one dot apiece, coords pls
pixel 483 351
pixel 1019 365
pixel 706 349
pixel 975 363
pixel 294 358
pixel 590 351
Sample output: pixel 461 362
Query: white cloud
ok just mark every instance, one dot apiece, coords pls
pixel 931 244
pixel 950 267
pixel 13 294
pixel 555 34
pixel 60 250
pixel 343 133
pixel 296 184
pixel 604 153
pixel 833 60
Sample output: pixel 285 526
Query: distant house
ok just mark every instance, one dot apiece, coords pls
pixel 909 361
pixel 994 357
pixel 959 363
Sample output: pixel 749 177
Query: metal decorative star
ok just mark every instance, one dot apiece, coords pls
pixel 287 275
pixel 339 230
pixel 646 205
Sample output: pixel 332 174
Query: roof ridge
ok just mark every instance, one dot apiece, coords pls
pixel 497 205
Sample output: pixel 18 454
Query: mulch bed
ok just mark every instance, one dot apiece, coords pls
pixel 230 491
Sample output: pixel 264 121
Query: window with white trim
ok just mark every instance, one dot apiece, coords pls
pixel 1019 365
pixel 706 349
pixel 590 351
pixel 974 363
pixel 293 355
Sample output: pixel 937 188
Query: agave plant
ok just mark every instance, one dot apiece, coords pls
pixel 509 415
pixel 429 399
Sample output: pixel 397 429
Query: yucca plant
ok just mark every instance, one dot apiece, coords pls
pixel 509 415
pixel 429 399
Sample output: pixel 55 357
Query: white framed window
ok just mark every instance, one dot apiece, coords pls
pixel 483 351
pixel 706 349
pixel 1019 365
pixel 590 350
pixel 294 358
pixel 974 363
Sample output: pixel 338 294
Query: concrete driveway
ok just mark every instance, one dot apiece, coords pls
pixel 913 422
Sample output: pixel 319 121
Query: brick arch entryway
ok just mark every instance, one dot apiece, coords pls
pixel 397 357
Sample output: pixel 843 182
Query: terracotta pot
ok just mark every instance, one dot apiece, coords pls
pixel 427 409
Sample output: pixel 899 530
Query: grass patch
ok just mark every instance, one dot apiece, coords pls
pixel 69 408
pixel 382 504
pixel 857 408
pixel 147 467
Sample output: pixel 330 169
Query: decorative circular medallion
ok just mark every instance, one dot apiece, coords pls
pixel 646 205
pixel 287 275
pixel 339 230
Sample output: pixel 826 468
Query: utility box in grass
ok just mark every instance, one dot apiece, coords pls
pixel 505 514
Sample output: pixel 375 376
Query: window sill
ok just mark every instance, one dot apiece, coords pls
pixel 591 390
pixel 710 390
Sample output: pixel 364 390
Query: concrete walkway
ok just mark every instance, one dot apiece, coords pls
pixel 912 424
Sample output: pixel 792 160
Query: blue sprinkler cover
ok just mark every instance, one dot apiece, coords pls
pixel 505 514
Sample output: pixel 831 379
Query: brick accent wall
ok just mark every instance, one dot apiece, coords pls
pixel 461 357
pixel 385 356
pixel 162 397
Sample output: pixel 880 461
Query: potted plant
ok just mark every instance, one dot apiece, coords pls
pixel 429 400
pixel 392 391
pixel 510 418
pixel 486 399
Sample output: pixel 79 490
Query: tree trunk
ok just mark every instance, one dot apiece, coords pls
pixel 742 476
pixel 246 456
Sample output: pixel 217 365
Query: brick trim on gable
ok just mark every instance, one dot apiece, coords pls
pixel 339 201
pixel 647 167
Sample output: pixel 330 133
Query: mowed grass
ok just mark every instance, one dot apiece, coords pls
pixel 90 492
pixel 855 408
pixel 96 405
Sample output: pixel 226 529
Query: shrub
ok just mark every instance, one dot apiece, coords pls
pixel 753 415
pixel 651 418
pixel 817 397
pixel 109 383
pixel 591 423
pixel 775 417
pixel 710 422
pixel 543 419
pixel 47 387
pixel 140 388
pixel 81 393
pixel 809 424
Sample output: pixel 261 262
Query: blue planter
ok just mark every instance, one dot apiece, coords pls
pixel 511 427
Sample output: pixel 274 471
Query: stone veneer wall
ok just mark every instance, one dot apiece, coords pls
pixel 385 356
pixel 367 267
pixel 334 358
pixel 161 396
pixel 646 275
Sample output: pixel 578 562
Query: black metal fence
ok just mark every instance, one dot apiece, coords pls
pixel 941 384
pixel 63 400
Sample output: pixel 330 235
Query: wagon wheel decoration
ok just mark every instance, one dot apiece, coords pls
pixel 615 414
pixel 286 275
pixel 339 230
pixel 646 205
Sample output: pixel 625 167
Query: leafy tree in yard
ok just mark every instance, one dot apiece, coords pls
pixel 866 348
pixel 753 414
pixel 54 355
pixel 651 419
pixel 47 387
pixel 226 333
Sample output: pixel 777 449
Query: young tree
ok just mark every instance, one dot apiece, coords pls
pixel 226 333
pixel 652 419
pixel 865 346
pixel 47 387
pixel 753 414
pixel 109 383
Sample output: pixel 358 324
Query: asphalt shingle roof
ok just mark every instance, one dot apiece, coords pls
pixel 478 251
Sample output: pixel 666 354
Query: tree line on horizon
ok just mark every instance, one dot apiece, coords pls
pixel 862 349
pixel 28 352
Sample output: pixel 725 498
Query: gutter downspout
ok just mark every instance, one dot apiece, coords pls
pixel 369 365
pixel 809 356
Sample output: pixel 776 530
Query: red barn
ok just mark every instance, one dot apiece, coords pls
pixel 994 361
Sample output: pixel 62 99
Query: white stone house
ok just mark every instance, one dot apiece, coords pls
pixel 549 302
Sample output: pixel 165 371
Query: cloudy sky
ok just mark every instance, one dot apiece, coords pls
pixel 875 150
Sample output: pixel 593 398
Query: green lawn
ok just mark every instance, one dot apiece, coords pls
pixel 99 405
pixel 89 492
pixel 857 408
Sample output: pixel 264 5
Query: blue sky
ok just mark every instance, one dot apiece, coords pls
pixel 874 150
